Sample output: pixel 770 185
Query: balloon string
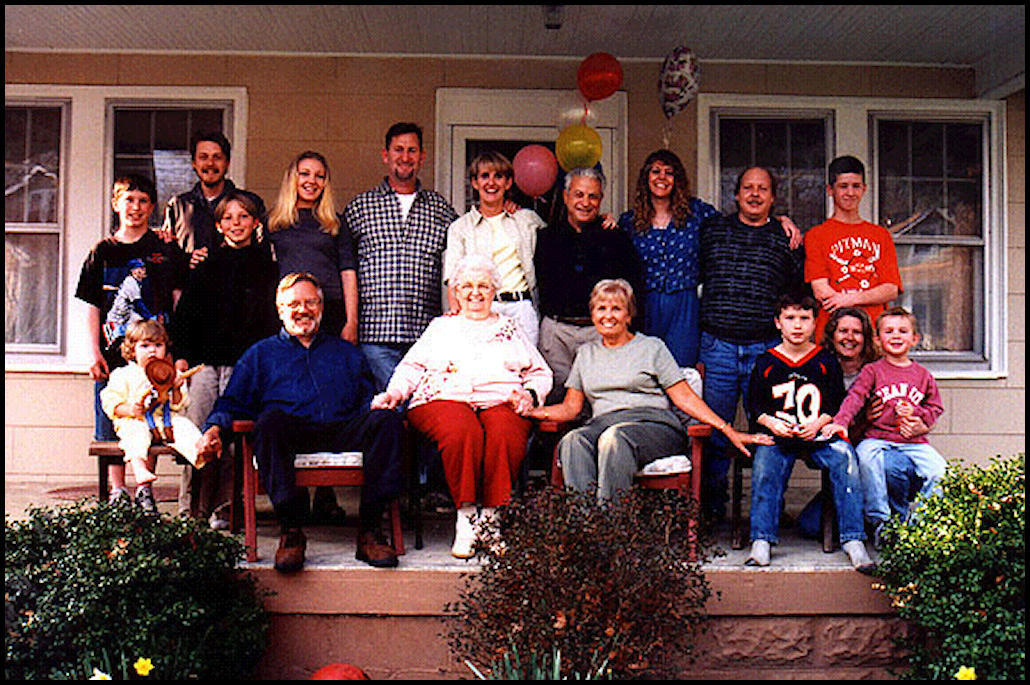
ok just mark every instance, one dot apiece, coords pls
pixel 586 113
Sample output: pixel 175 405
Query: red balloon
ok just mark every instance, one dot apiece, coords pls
pixel 339 672
pixel 536 170
pixel 599 76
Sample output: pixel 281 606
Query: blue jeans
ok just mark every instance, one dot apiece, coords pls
pixel 103 427
pixel 903 484
pixel 727 373
pixel 382 360
pixel 769 476
pixel 927 462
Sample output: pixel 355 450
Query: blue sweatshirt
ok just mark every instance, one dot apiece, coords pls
pixel 328 381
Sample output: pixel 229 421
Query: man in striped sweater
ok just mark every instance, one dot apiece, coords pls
pixel 746 264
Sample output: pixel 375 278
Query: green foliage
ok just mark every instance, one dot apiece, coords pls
pixel 615 583
pixel 98 586
pixel 548 667
pixel 958 574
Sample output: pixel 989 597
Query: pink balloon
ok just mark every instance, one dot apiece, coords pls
pixel 536 169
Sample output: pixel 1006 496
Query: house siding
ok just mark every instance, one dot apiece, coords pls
pixel 342 105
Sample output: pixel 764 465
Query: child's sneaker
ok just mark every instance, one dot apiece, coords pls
pixel 117 495
pixel 145 499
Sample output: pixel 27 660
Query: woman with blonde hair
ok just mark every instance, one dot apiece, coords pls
pixel 305 230
pixel 632 383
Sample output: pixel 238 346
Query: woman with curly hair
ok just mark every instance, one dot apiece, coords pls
pixel 664 225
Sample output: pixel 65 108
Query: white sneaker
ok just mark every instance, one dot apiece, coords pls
pixel 464 533
pixel 760 553
pixel 860 561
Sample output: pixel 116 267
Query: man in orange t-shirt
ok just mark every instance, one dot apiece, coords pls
pixel 850 262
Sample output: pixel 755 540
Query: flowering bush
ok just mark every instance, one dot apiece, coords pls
pixel 107 591
pixel 958 572
pixel 612 585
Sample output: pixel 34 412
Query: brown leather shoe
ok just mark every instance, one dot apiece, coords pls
pixel 289 558
pixel 375 553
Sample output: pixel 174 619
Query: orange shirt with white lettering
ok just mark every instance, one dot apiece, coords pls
pixel 851 257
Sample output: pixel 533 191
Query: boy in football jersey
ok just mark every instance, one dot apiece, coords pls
pixel 795 389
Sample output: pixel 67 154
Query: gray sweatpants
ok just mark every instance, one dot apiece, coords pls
pixel 611 448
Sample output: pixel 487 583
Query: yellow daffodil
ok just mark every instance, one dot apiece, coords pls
pixel 99 675
pixel 143 666
pixel 966 673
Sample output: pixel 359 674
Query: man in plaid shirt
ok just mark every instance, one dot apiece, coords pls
pixel 400 233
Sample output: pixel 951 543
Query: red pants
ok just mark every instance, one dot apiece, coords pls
pixel 482 450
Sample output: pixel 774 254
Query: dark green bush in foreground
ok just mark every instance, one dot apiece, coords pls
pixel 611 589
pixel 958 574
pixel 99 586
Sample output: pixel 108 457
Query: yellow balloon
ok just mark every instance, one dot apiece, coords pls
pixel 578 146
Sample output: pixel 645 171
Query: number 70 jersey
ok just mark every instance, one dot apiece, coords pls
pixel 795 391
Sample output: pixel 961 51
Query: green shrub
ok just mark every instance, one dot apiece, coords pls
pixel 958 572
pixel 612 584
pixel 99 586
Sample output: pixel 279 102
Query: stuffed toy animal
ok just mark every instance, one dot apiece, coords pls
pixel 161 374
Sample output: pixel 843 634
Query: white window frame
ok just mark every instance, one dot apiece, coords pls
pixel 60 230
pixel 853 132
pixel 464 113
pixel 87 188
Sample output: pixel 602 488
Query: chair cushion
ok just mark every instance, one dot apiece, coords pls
pixel 677 463
pixel 316 459
pixel 694 380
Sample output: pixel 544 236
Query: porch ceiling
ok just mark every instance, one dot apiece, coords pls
pixel 990 39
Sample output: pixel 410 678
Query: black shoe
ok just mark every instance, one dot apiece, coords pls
pixel 145 499
pixel 325 511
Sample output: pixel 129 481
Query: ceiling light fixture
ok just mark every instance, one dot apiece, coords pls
pixel 553 15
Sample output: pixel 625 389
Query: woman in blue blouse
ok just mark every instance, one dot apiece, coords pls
pixel 664 225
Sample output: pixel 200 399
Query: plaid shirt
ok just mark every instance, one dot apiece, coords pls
pixel 400 262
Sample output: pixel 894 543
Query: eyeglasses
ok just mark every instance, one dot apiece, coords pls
pixel 307 304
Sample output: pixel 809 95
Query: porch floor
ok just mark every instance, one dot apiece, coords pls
pixel 332 547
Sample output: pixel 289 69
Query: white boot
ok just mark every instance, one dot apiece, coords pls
pixel 760 553
pixel 464 533
pixel 860 561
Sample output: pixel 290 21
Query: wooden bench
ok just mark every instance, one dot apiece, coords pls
pixel 342 474
pixel 108 453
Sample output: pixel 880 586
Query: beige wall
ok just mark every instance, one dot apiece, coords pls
pixel 341 106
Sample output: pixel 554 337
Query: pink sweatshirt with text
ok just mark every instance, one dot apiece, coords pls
pixel 913 384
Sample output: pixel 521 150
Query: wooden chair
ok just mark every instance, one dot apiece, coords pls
pixel 108 453
pixel 675 472
pixel 827 516
pixel 331 469
pixel 683 473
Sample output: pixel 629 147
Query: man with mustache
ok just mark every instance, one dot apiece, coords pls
pixel 746 264
pixel 308 391
pixel 190 216
pixel 571 257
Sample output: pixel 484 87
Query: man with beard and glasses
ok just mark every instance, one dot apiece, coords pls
pixel 308 391
pixel 190 216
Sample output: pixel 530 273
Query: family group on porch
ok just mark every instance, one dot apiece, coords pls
pixel 330 331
